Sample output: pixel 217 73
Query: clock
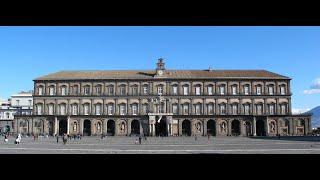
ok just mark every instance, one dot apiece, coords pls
pixel 160 72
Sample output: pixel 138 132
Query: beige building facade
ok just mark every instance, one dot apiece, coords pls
pixel 163 102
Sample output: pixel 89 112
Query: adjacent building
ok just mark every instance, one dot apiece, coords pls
pixel 162 102
pixel 18 104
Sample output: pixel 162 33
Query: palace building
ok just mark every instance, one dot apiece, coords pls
pixel 162 102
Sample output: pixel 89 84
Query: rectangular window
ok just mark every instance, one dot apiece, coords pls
pixel 135 90
pixel 160 90
pixel 258 90
pixel 86 90
pixel 75 90
pixel 51 91
pixel 234 109
pixel 145 90
pixel 175 90
pixel 134 110
pixel 122 109
pixel 271 109
pixel 222 109
pixel 185 109
pixel 39 110
pixel 63 91
pixel 122 90
pixel 210 109
pixel 246 109
pixel 174 109
pixel 62 110
pixel 246 90
pixel 282 90
pixel 210 90
pixel 50 108
pixel 222 90
pixel 270 90
pixel 74 110
pixel 198 109
pixel 259 109
pixel 185 90
pixel 198 90
pixel 40 91
pixel 111 90
pixel 110 109
pixel 99 90
pixel 234 90
pixel 98 109
pixel 86 109
pixel 283 109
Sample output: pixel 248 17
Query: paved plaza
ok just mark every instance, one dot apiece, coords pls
pixel 165 145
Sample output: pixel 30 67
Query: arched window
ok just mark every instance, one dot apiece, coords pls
pixel 259 108
pixel 282 89
pixel 86 108
pixel 39 109
pixel 246 108
pixel 186 90
pixel 222 108
pixel 40 90
pixel 175 109
pixel 198 109
pixel 198 90
pixel 75 89
pixel 62 109
pixel 145 89
pixel 222 89
pixel 271 89
pixel 258 89
pixel 210 90
pixel 185 108
pixel 63 90
pixel 234 89
pixel 51 90
pixel 283 109
pixel 122 108
pixel 234 108
pixel 74 109
pixel 122 89
pixel 210 108
pixel 174 90
pixel 134 109
pixel 134 89
pixel 87 90
pixel 110 109
pixel 99 89
pixel 50 109
pixel 145 109
pixel 160 89
pixel 110 90
pixel 271 109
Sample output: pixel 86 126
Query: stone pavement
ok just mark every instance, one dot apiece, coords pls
pixel 165 145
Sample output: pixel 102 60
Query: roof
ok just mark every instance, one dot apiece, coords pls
pixel 169 74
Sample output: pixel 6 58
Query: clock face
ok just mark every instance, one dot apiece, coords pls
pixel 160 72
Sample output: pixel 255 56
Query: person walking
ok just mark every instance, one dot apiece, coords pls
pixel 5 138
pixel 65 139
pixel 57 136
pixel 140 140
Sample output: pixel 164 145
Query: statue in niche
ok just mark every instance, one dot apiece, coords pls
pixel 122 127
pixel 198 127
pixel 223 127
pixel 272 127
pixel 74 126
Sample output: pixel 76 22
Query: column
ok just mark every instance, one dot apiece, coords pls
pixel 265 106
pixel 277 106
pixel 289 106
pixel 55 125
pixel 267 126
pixel 68 125
pixel 81 126
pixel 229 127
pixel 254 126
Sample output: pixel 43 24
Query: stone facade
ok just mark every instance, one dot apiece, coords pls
pixel 163 102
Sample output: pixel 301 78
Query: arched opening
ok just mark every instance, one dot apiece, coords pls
pixel 63 125
pixel 135 127
pixel 235 128
pixel 248 128
pixel 7 129
pixel 50 127
pixel 87 128
pixel 161 127
pixel 186 128
pixel 260 128
pixel 110 128
pixel 287 125
pixel 211 128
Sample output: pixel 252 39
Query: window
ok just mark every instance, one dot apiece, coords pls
pixel 283 109
pixel 185 90
pixel 111 90
pixel 246 109
pixel 87 90
pixel 62 109
pixel 246 89
pixel 99 89
pixel 210 90
pixel 74 109
pixel 18 102
pixel 98 109
pixel 282 90
pixel 198 90
pixel 51 90
pixel 76 90
pixel 110 109
pixel 122 90
pixel 222 89
pixel 210 108
pixel 234 90
pixel 175 109
pixel 222 109
pixel 175 90
pixel 86 109
pixel 259 109
pixel 258 90
pixel 271 90
pixel 234 109
pixel 186 109
pixel 63 90
pixel 160 108
pixel 160 89
pixel 39 109
pixel 271 109
pixel 50 109
pixel 198 109
pixel 134 109
pixel 40 90
pixel 134 90
pixel 145 89
pixel 145 108
pixel 122 109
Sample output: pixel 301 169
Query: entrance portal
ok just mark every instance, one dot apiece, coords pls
pixel 186 128
pixel 211 128
pixel 248 128
pixel 87 128
pixel 161 127
pixel 235 128
pixel 50 127
pixel 135 127
pixel 110 128
pixel 63 125
pixel 260 128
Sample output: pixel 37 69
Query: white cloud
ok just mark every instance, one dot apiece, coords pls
pixel 299 110
pixel 314 88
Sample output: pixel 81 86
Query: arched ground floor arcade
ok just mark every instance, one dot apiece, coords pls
pixel 163 125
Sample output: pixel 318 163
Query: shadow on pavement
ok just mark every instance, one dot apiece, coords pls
pixel 290 138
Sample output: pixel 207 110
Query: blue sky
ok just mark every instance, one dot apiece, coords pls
pixel 29 52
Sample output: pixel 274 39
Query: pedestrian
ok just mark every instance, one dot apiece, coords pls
pixel 5 138
pixel 65 139
pixel 101 136
pixel 136 141
pixel 279 136
pixel 140 139
pixel 208 137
